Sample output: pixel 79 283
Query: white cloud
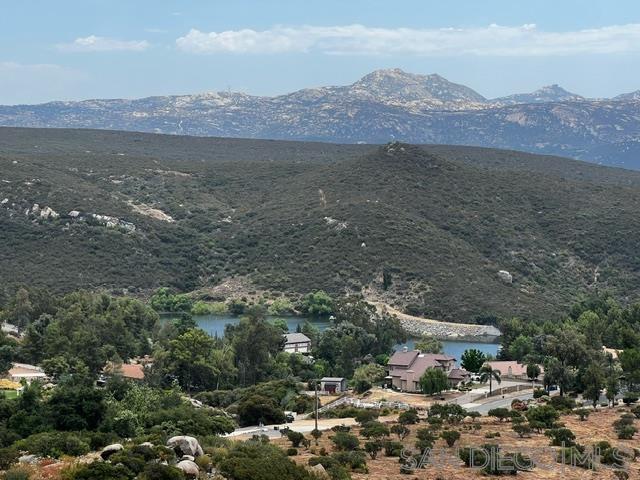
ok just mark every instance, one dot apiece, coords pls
pixel 93 43
pixel 494 40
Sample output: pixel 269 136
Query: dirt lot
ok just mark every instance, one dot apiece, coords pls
pixel 597 427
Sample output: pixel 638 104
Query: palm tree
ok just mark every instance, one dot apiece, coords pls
pixel 488 374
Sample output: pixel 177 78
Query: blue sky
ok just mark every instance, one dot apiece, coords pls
pixel 125 48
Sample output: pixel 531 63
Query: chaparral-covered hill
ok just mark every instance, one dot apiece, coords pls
pixel 134 211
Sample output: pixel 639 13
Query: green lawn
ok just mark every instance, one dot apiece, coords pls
pixel 9 393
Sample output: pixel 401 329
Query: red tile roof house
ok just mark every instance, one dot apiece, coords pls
pixel 406 368
pixel 512 369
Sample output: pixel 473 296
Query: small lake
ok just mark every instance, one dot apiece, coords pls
pixel 214 326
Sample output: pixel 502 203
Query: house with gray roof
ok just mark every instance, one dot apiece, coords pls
pixel 297 343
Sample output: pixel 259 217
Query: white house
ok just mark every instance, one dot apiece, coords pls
pixel 297 343
pixel 23 371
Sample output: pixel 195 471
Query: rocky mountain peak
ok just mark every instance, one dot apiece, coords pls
pixel 396 84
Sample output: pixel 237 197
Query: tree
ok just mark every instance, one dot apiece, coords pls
pixel 318 303
pixel 372 448
pixel 400 430
pixel 561 437
pixel 472 360
pixel 426 439
pixel 429 344
pixel 345 441
pixel 434 381
pixel 450 436
pixel 409 417
pixel 367 375
pixel 593 380
pixel 523 429
pixel 190 358
pixel 533 371
pixel 630 363
pixel 488 374
pixel 612 386
pixel 6 358
pixel 387 278
pixel 257 409
pixel 500 413
pixel 256 343
pixel 520 347
pixel 374 429
pixel 544 416
pixel 557 373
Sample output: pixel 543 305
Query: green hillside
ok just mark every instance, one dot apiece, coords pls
pixel 296 217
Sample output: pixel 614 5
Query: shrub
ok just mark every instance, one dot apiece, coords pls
pixel 492 435
pixel 626 432
pixel 408 417
pixel 630 397
pixel 450 436
pixel 574 456
pixel 157 471
pixel 542 417
pixel 54 444
pixel 17 473
pixel 100 471
pixel 393 449
pixel 374 429
pixel 499 413
pixel 636 411
pixel 400 430
pixel 295 438
pixel 354 459
pixel 561 437
pixel 345 441
pixel 8 456
pixel 292 452
pixel 562 403
pixel 539 392
pixel 365 415
pixel 582 413
pixel 332 466
pixel 426 438
pixel 523 429
pixel 372 448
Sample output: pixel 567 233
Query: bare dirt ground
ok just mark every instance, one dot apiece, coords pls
pixel 597 427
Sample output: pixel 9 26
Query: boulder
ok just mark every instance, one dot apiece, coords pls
pixel 468 420
pixel 110 450
pixel 189 468
pixel 319 471
pixel 184 445
pixel 505 276
pixel 191 458
pixel 146 444
pixel 28 459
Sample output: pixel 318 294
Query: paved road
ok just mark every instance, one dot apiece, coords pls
pixel 484 408
pixel 302 426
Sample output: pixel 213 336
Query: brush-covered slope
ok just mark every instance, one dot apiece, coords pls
pixel 138 211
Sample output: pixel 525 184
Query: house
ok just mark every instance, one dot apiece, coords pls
pixel 297 343
pixel 333 385
pixel 23 371
pixel 407 367
pixel 131 371
pixel 614 353
pixel 512 370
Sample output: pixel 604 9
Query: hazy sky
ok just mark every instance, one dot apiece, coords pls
pixel 76 49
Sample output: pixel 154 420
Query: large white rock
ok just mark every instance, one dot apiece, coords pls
pixel 505 276
pixel 189 468
pixel 184 445
pixel 110 450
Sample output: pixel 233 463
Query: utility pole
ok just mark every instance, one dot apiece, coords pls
pixel 315 387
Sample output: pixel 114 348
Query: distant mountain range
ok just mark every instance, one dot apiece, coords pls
pixel 382 106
